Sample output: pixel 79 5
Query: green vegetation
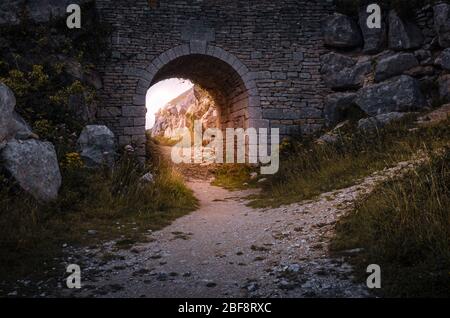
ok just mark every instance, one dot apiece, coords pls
pixel 308 169
pixel 404 226
pixel 112 202
pixel 234 176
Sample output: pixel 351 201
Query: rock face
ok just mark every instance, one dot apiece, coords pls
pixel 11 124
pixel 74 69
pixel 443 60
pixel 394 65
pixel 375 39
pixel 342 32
pixel 97 146
pixel 336 106
pixel 400 94
pixel 379 121
pixel 442 23
pixel 342 72
pixel 403 35
pixel 194 104
pixel 37 10
pixel 35 167
pixel 83 110
pixel 444 88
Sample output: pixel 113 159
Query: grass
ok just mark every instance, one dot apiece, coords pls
pixel 234 176
pixel 112 202
pixel 308 169
pixel 404 226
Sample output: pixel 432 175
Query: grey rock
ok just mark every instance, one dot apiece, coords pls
pixel 375 39
pixel 336 105
pixel 12 125
pixel 97 146
pixel 399 94
pixel 379 121
pixel 403 35
pixel 341 31
pixel 147 178
pixel 443 60
pixel 442 23
pixel 34 165
pixel 342 72
pixel 424 56
pixel 444 87
pixel 394 65
pixel 334 135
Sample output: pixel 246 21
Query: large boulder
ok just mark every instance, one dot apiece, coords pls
pixel 336 107
pixel 39 11
pixel 375 39
pixel 400 94
pixel 403 34
pixel 444 87
pixel 97 146
pixel 343 72
pixel 11 124
pixel 442 23
pixel 394 65
pixel 443 60
pixel 341 31
pixel 379 121
pixel 34 165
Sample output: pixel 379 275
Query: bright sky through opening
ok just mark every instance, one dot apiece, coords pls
pixel 161 93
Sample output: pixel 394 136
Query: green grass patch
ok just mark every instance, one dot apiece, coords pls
pixel 404 226
pixel 234 176
pixel 113 203
pixel 308 169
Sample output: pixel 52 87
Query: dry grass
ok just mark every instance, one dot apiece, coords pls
pixel 404 226
pixel 308 169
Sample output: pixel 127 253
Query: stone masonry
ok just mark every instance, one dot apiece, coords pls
pixel 260 60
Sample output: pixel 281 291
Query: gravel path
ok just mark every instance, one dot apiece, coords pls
pixel 226 249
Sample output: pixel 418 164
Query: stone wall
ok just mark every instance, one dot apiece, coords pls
pixel 401 68
pixel 260 60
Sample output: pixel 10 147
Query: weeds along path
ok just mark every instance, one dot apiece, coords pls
pixel 227 249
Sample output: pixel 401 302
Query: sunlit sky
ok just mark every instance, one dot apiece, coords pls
pixel 161 93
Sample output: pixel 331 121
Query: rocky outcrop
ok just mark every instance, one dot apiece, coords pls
pixel 194 104
pixel 379 121
pixel 394 65
pixel 403 35
pixel 11 11
pixel 443 60
pixel 444 87
pixel 341 31
pixel 84 110
pixel 343 72
pixel 375 39
pixel 75 69
pixel 336 107
pixel 400 94
pixel 34 165
pixel 97 146
pixel 12 124
pixel 442 23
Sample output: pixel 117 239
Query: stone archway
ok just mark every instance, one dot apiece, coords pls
pixel 227 79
